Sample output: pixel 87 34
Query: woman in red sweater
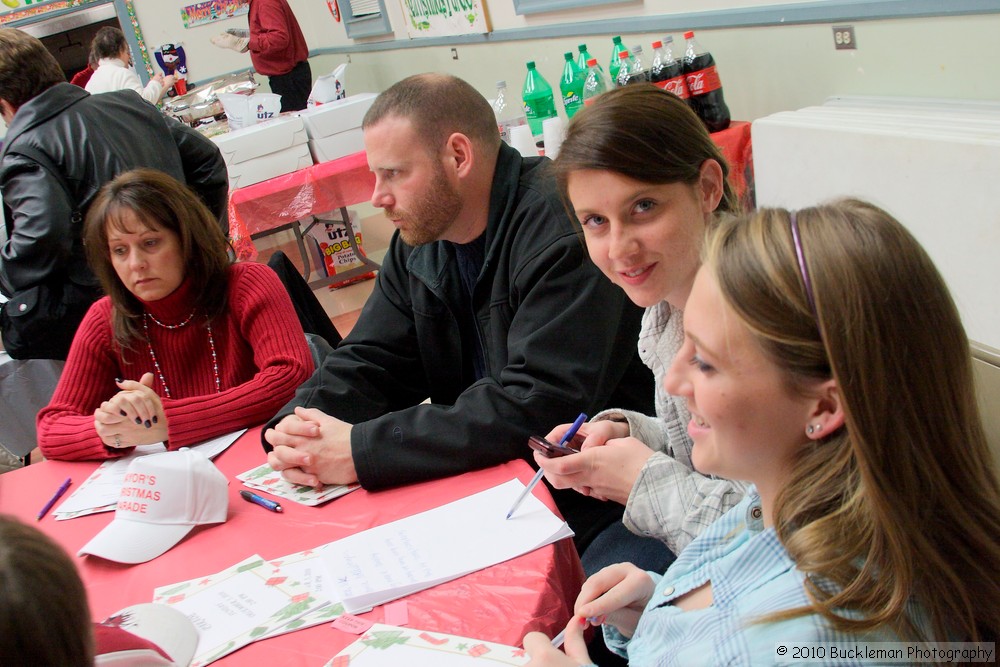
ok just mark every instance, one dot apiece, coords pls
pixel 186 347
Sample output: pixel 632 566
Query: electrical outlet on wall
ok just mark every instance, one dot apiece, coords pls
pixel 843 37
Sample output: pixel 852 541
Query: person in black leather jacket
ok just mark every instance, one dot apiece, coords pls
pixel 486 304
pixel 62 145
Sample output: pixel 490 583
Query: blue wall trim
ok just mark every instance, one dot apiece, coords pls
pixel 541 6
pixel 821 11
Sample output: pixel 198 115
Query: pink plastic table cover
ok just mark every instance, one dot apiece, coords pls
pixel 501 603
pixel 282 200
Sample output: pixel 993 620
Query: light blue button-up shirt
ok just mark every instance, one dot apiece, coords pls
pixel 751 575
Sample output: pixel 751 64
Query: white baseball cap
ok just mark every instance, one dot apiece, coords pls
pixel 163 497
pixel 145 635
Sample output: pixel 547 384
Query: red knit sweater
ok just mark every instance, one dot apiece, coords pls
pixel 262 357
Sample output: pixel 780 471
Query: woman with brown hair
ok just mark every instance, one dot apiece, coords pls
pixel 186 346
pixel 825 362
pixel 645 180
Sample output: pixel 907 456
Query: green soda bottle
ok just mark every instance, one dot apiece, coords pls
pixel 539 104
pixel 581 60
pixel 571 86
pixel 616 61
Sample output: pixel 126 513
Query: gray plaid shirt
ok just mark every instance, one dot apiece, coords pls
pixel 669 501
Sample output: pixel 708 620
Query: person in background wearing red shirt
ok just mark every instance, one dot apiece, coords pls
pixel 277 49
pixel 186 346
pixel 83 76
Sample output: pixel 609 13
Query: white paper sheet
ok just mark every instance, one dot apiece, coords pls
pixel 409 555
pixel 99 492
pixel 252 600
pixel 389 646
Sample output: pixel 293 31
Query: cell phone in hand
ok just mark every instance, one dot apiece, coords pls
pixel 552 450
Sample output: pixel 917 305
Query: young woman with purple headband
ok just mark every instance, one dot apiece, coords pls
pixel 824 362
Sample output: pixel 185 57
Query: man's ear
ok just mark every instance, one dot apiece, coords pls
pixel 459 154
pixel 7 111
pixel 827 415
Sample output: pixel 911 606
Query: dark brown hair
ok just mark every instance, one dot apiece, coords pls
pixel 643 133
pixel 902 503
pixel 109 42
pixel 438 105
pixel 27 68
pixel 44 615
pixel 157 199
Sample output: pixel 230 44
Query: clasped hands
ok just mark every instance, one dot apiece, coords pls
pixel 133 416
pixel 606 467
pixel 312 448
pixel 617 596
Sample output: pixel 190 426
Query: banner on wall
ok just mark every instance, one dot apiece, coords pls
pixel 213 10
pixel 15 10
pixel 439 18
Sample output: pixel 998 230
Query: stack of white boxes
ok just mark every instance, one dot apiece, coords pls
pixel 334 128
pixel 265 150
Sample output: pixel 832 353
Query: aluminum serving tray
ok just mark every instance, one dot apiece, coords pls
pixel 203 101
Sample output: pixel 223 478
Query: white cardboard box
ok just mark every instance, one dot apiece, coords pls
pixel 337 116
pixel 337 145
pixel 267 166
pixel 255 141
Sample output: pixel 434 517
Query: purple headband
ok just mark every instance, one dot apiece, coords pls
pixel 802 262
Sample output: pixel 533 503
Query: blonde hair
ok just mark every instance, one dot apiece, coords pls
pixel 901 504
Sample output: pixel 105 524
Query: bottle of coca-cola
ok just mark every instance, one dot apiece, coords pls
pixel 704 85
pixel 667 71
pixel 637 69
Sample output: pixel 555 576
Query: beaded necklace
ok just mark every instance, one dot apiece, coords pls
pixel 156 364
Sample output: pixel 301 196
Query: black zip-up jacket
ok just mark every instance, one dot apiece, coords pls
pixel 557 337
pixel 62 146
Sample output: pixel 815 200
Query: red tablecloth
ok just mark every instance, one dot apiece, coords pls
pixel 738 151
pixel 282 200
pixel 501 603
pixel 330 185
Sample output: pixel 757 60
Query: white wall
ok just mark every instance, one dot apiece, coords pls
pixel 763 69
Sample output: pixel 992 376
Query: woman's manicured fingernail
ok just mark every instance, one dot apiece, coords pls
pixel 155 420
pixel 138 421
pixel 123 413
pixel 148 424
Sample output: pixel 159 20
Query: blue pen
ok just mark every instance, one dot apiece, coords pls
pixel 251 497
pixel 538 475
